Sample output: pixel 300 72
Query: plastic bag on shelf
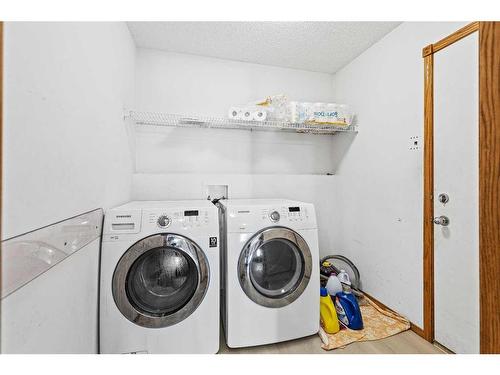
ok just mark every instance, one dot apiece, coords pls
pixel 279 108
pixel 276 107
pixel 332 114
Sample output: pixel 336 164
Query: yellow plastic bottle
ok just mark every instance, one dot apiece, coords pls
pixel 328 315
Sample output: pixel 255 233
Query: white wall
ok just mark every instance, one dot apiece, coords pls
pixel 175 150
pixel 194 85
pixel 379 182
pixel 179 163
pixel 204 86
pixel 66 85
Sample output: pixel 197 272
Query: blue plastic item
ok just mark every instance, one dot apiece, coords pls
pixel 348 310
pixel 323 292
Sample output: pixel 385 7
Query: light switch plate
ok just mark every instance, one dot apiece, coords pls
pixel 414 143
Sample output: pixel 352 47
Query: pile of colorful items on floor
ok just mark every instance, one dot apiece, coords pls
pixel 346 314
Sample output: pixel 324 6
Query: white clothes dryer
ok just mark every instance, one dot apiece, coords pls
pixel 270 259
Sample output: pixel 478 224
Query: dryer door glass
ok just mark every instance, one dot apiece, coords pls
pixel 276 268
pixel 161 281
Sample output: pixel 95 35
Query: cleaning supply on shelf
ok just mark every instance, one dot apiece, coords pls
pixel 333 286
pixel 328 315
pixel 348 311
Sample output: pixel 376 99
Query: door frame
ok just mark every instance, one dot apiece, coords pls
pixel 489 177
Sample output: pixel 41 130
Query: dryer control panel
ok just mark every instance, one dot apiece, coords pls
pixel 285 214
pixel 255 218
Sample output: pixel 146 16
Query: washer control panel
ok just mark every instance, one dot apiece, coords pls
pixel 180 219
pixel 197 220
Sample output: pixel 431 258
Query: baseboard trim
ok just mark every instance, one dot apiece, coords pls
pixel 419 331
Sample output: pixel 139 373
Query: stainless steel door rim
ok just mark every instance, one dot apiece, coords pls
pixel 179 263
pixel 280 254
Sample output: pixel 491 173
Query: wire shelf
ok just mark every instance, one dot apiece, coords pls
pixel 172 120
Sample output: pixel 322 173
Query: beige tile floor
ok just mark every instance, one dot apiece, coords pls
pixel 403 343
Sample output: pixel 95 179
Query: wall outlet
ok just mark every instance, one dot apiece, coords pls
pixel 217 192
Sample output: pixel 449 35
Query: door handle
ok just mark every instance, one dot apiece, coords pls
pixel 441 220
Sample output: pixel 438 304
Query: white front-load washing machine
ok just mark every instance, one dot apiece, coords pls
pixel 270 285
pixel 159 289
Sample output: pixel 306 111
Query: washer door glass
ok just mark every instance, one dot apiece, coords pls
pixel 276 268
pixel 161 281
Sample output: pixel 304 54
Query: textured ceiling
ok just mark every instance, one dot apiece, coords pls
pixel 315 46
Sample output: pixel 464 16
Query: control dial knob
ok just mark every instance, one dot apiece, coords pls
pixel 274 216
pixel 163 221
